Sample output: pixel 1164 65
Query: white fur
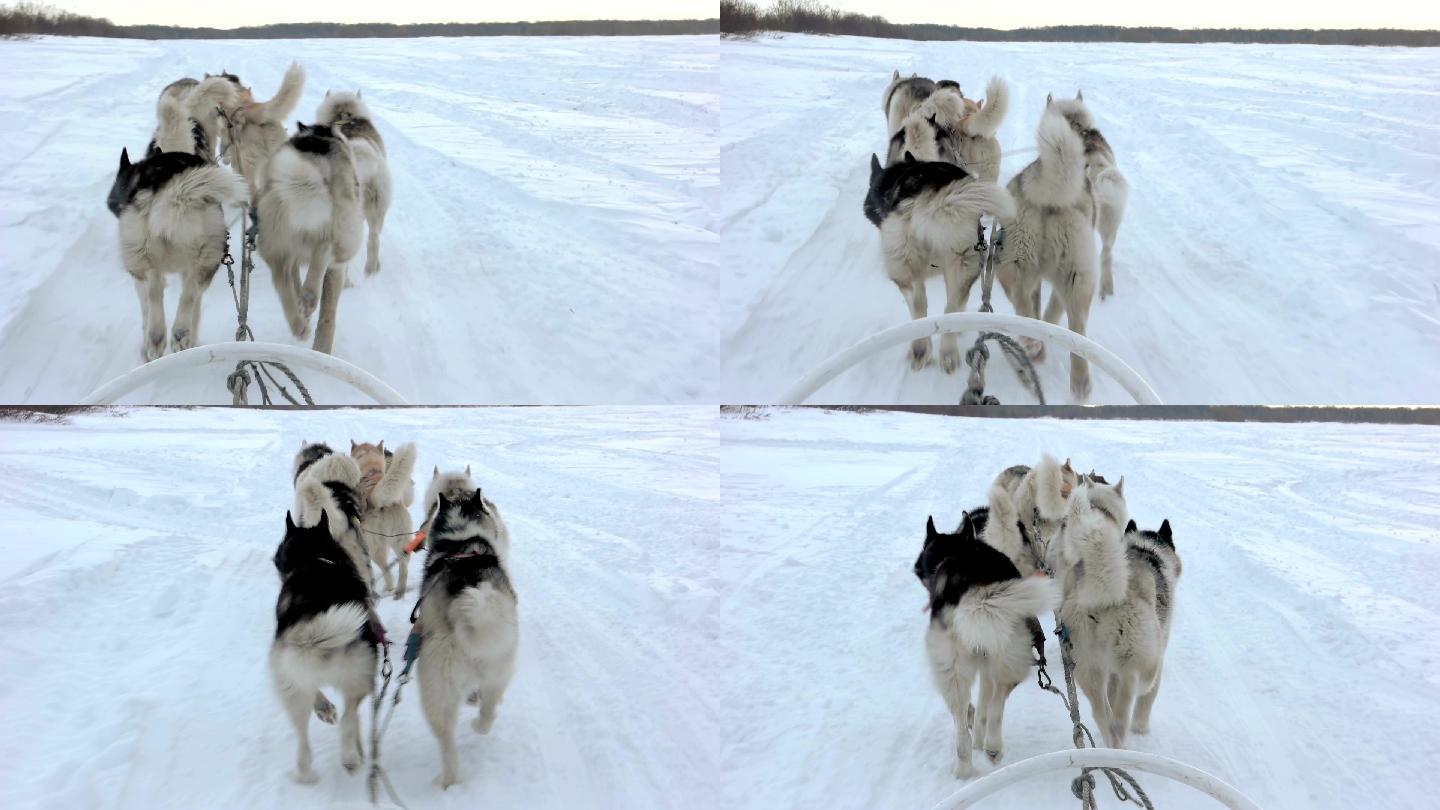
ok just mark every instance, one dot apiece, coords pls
pixel 312 498
pixel 260 129
pixel 455 485
pixel 370 167
pixel 315 653
pixel 386 527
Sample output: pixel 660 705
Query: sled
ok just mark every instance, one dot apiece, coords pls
pixel 227 355
pixel 1204 782
pixel 1050 333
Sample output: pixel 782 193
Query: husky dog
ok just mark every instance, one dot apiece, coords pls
pixel 258 128
pixel 171 221
pixel 467 620
pixel 202 105
pixel 386 493
pixel 348 114
pixel 455 486
pixel 902 96
pixel 1036 497
pixel 1108 607
pixel 982 622
pixel 926 212
pixel 323 637
pixel 309 210
pixel 950 127
pixel 1106 189
pixel 1153 553
pixel 327 483
pixel 1049 239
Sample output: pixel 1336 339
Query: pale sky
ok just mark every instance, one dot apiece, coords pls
pixel 235 13
pixel 1207 14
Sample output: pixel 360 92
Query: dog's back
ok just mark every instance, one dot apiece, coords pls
pixel 327 486
pixel 902 96
pixel 311 195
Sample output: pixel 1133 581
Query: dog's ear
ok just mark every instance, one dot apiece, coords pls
pixel 1130 527
pixel 353 445
pixel 327 93
pixel 324 524
pixel 895 77
pixel 909 158
pixel 381 446
pixel 980 105
pixel 436 474
pixel 124 159
pixel 1066 466
pixel 1048 100
pixel 1079 95
pixel 930 532
pixel 359 93
pixel 1120 486
pixel 289 523
pixel 467 470
pixel 1165 532
pixel 874 166
pixel 477 500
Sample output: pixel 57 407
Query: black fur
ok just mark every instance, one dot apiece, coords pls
pixel 150 174
pixel 310 454
pixel 951 564
pixel 202 141
pixel 1136 554
pixel 318 139
pixel 893 184
pixel 348 499
pixel 316 574
pixel 947 83
pixel 456 562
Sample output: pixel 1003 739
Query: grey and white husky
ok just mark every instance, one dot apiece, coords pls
pixel 902 96
pixel 328 484
pixel 467 620
pixel 172 221
pixel 926 212
pixel 202 106
pixel 258 128
pixel 323 637
pixel 948 126
pixel 1049 239
pixel 347 113
pixel 309 210
pixel 982 624
pixel 1106 188
pixel 1111 606
pixel 1035 497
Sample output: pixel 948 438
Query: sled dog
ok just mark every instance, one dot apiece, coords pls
pixel 328 483
pixel 1106 188
pixel 455 486
pixel 386 493
pixel 169 206
pixel 982 623
pixel 347 113
pixel 902 96
pixel 203 105
pixel 1108 607
pixel 1036 497
pixel 1153 553
pixel 467 620
pixel 323 637
pixel 309 211
pixel 926 212
pixel 1050 240
pixel 950 127
pixel 258 128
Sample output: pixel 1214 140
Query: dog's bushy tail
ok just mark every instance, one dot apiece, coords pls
pixel 967 201
pixel 987 616
pixel 347 220
pixel 278 108
pixel 986 123
pixel 484 619
pixel 394 484
pixel 173 214
pixel 1061 177
pixel 1002 531
pixel 1093 539
pixel 172 126
pixel 311 498
pixel 1047 479
pixel 331 630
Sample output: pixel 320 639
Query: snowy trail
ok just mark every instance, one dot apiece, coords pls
pixel 1280 245
pixel 553 216
pixel 1301 667
pixel 141 603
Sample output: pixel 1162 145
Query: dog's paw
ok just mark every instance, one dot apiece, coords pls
pixel 1034 348
pixel 1140 726
pixel 153 347
pixel 305 777
pixel 949 357
pixel 399 593
pixel 300 326
pixel 473 699
pixel 308 302
pixel 483 724
pixel 181 339
pixel 996 755
pixel 445 780
pixel 1080 387
pixel 964 770
pixel 325 710
pixel 351 761
pixel 372 265
pixel 919 354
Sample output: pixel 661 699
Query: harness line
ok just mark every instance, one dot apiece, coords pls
pixel 976 356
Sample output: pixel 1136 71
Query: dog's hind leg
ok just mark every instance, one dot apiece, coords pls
pixel 187 315
pixel 298 705
pixel 1079 294
pixel 994 741
pixel 1093 684
pixel 1141 722
pixel 491 693
pixel 1109 226
pixel 329 302
pixel 314 276
pixel 377 199
pixel 151 291
pixel 960 275
pixel 1055 308
pixel 285 276
pixel 352 749
pixel 402 562
pixel 1121 704
pixel 440 703
pixel 982 709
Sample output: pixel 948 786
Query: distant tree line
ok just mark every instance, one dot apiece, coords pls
pixel 742 18
pixel 28 18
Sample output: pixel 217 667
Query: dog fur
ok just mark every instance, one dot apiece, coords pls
pixel 902 96
pixel 203 105
pixel 1049 239
pixel 327 483
pixel 455 486
pixel 386 492
pixel 323 637
pixel 1153 552
pixel 926 212
pixel 1107 190
pixel 467 619
pixel 309 212
pixel 948 126
pixel 1036 497
pixel 347 112
pixel 259 129
pixel 982 623
pixel 172 221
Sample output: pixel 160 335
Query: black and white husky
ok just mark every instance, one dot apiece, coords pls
pixel 467 620
pixel 323 637
pixel 926 212
pixel 309 211
pixel 327 484
pixel 982 623
pixel 171 212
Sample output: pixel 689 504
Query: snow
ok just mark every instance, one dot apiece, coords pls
pixel 1302 665
pixel 552 239
pixel 139 595
pixel 1280 244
